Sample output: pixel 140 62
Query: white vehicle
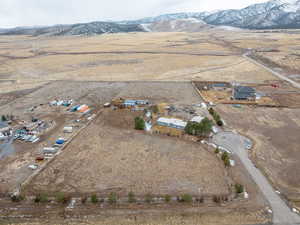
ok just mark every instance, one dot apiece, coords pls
pixel 33 167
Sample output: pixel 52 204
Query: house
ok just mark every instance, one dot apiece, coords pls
pixel 244 93
pixel 172 122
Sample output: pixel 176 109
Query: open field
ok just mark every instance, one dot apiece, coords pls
pixel 276 136
pixel 122 57
pixel 281 50
pixel 136 162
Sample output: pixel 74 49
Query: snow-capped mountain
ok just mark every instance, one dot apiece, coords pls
pixel 268 15
pixel 272 14
pixel 177 25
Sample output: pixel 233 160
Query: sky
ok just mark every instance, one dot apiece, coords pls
pixel 48 12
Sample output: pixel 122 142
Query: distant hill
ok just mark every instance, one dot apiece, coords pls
pixel 93 28
pixel 274 14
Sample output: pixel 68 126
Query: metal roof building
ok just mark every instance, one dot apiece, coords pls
pixel 172 122
pixel 244 93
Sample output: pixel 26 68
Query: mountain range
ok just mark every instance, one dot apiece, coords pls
pixel 274 14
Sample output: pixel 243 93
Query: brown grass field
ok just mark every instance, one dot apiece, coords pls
pixel 276 136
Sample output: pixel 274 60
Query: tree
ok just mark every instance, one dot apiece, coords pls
pixel 167 198
pixel 217 151
pixel 112 198
pixel 220 123
pixel 187 198
pixel 94 199
pixel 139 123
pixel 199 129
pixel 131 197
pixel 239 188
pixel 148 198
pixel 3 118
pixel 225 156
pixel 62 198
pixel 41 198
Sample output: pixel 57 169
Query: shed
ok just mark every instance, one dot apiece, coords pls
pixel 172 122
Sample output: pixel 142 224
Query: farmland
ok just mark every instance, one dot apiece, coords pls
pixel 106 155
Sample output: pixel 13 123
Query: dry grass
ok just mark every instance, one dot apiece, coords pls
pixel 146 56
pixel 276 135
pixel 111 158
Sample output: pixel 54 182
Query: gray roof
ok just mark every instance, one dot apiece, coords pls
pixel 244 92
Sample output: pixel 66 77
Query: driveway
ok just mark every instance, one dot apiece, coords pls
pixel 282 214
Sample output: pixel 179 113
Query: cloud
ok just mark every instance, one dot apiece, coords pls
pixel 47 12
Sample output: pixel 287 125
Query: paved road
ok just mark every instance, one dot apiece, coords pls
pixel 282 214
pixel 294 83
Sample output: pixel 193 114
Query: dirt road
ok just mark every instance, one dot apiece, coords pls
pixel 282 214
pixel 294 83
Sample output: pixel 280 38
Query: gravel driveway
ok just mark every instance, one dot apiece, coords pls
pixel 282 214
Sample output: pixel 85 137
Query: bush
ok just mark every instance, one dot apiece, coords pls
pixel 154 109
pixel 41 198
pixel 112 198
pixel 167 198
pixel 17 198
pixel 148 198
pixel 200 199
pixel 94 199
pixel 3 118
pixel 131 197
pixel 225 156
pixel 62 198
pixel 226 159
pixel 239 188
pixel 217 199
pixel 217 151
pixel 84 199
pixel 186 198
pixel 220 123
pixel 139 123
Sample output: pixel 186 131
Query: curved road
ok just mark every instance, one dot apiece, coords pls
pixel 282 214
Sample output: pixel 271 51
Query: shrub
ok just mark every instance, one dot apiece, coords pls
pixel 220 123
pixel 217 199
pixel 139 123
pixel 200 199
pixel 186 198
pixel 62 198
pixel 112 198
pixel 239 188
pixel 17 198
pixel 131 197
pixel 94 199
pixel 225 156
pixel 41 198
pixel 148 198
pixel 227 162
pixel 3 118
pixel 217 151
pixel 167 198
pixel 154 109
pixel 84 199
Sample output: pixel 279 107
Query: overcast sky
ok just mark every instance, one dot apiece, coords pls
pixel 47 12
